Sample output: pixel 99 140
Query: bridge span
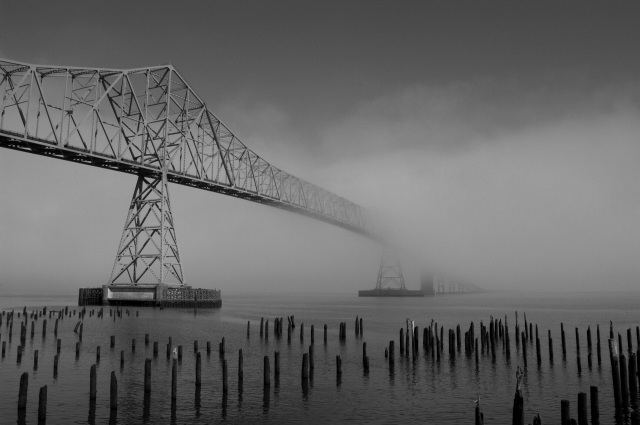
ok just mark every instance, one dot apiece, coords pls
pixel 151 123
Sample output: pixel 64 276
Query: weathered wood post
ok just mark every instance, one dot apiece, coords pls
pixel 180 351
pixel 578 351
pixel 479 414
pixel 401 341
pixel 362 329
pixel 266 329
pixel 624 379
pixel 77 350
pixel 538 350
pixel 98 354
pixel 59 345
pixel 595 409
pixel 195 346
pixel 261 326
pixel 121 359
pixel 633 378
pixel 524 350
pixel 44 329
pixel 155 348
pixel 550 348
pixel 564 343
pixel 357 328
pixel 565 412
pixel 35 360
pixel 338 366
pixel 582 409
pixel 325 334
pixel 517 417
pixel 174 379
pixel 305 366
pixel 55 365
pixel 133 344
pixel 311 362
pixel 146 339
pixel 22 394
pixel 312 335
pixel 225 377
pixel 391 353
pixel 267 372
pixel 113 340
pixel 629 341
pixel 199 369
pixel 248 328
pixel 114 391
pixel 301 332
pixel 615 372
pixel 42 404
pixel 598 344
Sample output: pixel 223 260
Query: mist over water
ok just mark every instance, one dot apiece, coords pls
pixel 420 391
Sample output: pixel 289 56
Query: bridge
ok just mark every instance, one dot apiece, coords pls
pixel 150 122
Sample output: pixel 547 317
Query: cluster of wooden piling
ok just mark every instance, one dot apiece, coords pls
pixel 624 371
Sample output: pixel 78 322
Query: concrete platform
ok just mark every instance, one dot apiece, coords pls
pixel 390 293
pixel 150 295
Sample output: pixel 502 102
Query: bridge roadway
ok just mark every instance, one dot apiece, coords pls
pixel 150 122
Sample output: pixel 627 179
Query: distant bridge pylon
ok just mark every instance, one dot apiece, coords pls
pixel 151 123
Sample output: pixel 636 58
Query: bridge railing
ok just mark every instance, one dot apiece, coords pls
pixel 148 120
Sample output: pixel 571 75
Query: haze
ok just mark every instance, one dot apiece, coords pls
pixel 500 140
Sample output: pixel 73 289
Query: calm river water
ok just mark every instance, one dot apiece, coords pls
pixel 423 391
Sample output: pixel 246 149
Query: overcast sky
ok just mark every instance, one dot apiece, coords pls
pixel 501 139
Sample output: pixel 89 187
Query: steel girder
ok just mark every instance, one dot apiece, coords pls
pixel 150 122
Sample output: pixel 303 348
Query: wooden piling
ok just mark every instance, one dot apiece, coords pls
pixel 180 351
pixel 199 369
pixel 615 372
pixel 261 326
pixel 121 358
pixel 305 366
pixel 524 350
pixel 248 328
pixel 582 409
pixel 174 379
pixel 55 365
pixel 22 393
pixel 598 344
pixel 401 341
pixel 42 404
pixel 338 366
pixel 325 334
pixel 624 379
pixel 113 340
pixel 312 335
pixel 301 332
pixel 44 327
pixel 114 391
pixel 357 327
pixel 391 352
pixel 133 344
pixel 266 329
pixel 240 365
pixel 276 364
pixel 565 412
pixel 629 340
pixel 539 357
pixel 595 409
pixel 146 339
pixel 266 372
pixel 517 417
pixel 311 361
pixel 195 346
pixel 366 364
pixel 98 354
pixel 155 348
pixel 633 378
pixel 362 329
pixel 35 360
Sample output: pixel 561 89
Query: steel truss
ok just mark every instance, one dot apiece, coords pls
pixel 390 271
pixel 148 251
pixel 150 122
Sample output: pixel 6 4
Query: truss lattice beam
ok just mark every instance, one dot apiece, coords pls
pixel 390 272
pixel 149 121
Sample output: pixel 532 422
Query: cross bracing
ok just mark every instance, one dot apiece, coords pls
pixel 150 122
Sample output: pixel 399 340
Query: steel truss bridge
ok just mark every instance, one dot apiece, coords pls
pixel 151 123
